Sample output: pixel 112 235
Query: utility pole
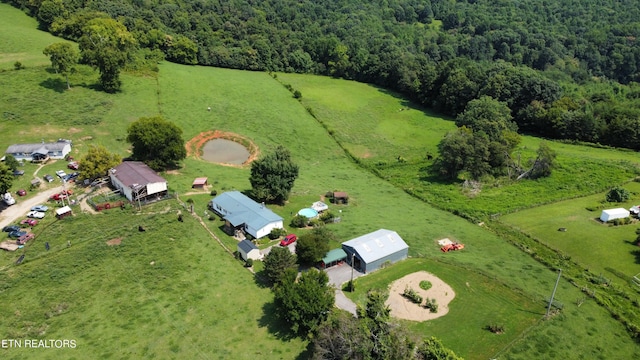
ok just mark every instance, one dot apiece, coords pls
pixel 352 265
pixel 64 191
pixel 554 292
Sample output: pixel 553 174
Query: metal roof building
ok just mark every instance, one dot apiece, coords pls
pixel 55 150
pixel 137 181
pixel 241 212
pixel 371 251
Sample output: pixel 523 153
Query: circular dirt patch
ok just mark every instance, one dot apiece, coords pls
pixel 403 308
pixel 200 147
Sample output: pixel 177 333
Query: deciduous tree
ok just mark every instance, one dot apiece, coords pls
pixel 105 45
pixel 157 142
pixel 97 162
pixel 6 178
pixel 272 176
pixel 313 246
pixel 618 194
pixel 11 162
pixel 304 303
pixel 64 57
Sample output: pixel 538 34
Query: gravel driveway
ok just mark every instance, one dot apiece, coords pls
pixel 14 212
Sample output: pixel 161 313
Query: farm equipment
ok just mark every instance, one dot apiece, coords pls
pixel 452 247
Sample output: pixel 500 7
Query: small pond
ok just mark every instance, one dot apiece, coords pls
pixel 225 151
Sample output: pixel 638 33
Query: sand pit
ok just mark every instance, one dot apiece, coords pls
pixel 402 308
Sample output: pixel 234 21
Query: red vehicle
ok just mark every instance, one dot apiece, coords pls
pixel 73 165
pixel 22 192
pixel 30 222
pixel 288 240
pixel 58 197
pixel 24 238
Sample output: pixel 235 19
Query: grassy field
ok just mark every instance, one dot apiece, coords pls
pixel 195 300
pixel 598 246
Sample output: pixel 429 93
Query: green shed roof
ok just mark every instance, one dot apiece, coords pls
pixel 334 255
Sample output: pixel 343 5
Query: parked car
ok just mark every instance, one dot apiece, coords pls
pixel 58 197
pixel 48 178
pixel 41 208
pixel 18 172
pixel 61 173
pixel 288 240
pixel 70 177
pixel 24 238
pixel 30 222
pixel 17 234
pixel 36 214
pixel 8 199
pixel 21 192
pixel 73 165
pixel 10 228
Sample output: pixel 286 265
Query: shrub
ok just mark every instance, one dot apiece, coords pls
pixel 618 194
pixel 327 217
pixel 276 233
pixel 248 263
pixel 412 295
pixel 425 285
pixel 297 94
pixel 299 221
pixel 431 305
pixel 214 192
pixel 18 65
pixel 350 286
pixel 495 328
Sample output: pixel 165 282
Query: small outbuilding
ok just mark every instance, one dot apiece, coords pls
pixel 249 250
pixel 333 258
pixel 340 197
pixel 612 214
pixel 199 183
pixel 319 206
pixel 371 251
pixel 63 212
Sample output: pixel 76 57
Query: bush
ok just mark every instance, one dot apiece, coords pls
pixel 495 328
pixel 327 217
pixel 248 263
pixel 276 233
pixel 425 285
pixel 431 305
pixel 18 65
pixel 412 295
pixel 618 194
pixel 299 221
pixel 350 286
pixel 214 192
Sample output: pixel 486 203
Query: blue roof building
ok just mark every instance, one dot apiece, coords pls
pixel 242 213
pixel 371 251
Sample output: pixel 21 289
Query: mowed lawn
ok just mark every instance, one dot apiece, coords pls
pixel 587 240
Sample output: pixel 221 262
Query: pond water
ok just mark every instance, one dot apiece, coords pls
pixel 225 151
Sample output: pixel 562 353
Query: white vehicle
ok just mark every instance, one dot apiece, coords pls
pixel 8 199
pixel 36 215
pixel 61 173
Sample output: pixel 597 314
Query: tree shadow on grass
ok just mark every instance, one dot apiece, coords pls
pixel 55 84
pixel 278 327
pixel 261 280
pixel 636 254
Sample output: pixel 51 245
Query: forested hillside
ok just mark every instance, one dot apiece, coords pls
pixel 567 69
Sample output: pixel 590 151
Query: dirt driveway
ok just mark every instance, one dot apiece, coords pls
pixel 22 207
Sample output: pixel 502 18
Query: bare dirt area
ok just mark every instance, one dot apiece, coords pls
pixel 402 308
pixel 195 145
pixel 113 242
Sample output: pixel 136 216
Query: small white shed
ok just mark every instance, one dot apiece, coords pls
pixel 249 250
pixel 612 214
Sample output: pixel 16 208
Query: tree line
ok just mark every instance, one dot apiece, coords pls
pixel 567 69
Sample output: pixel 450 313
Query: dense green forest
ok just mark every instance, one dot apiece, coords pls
pixel 567 69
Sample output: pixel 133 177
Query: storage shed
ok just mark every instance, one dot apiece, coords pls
pixel 369 252
pixel 612 214
pixel 333 257
pixel 63 212
pixel 199 183
pixel 248 250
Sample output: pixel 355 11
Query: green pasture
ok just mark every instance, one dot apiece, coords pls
pixel 481 301
pixel 20 39
pixel 164 293
pixel 587 240
pixel 196 301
